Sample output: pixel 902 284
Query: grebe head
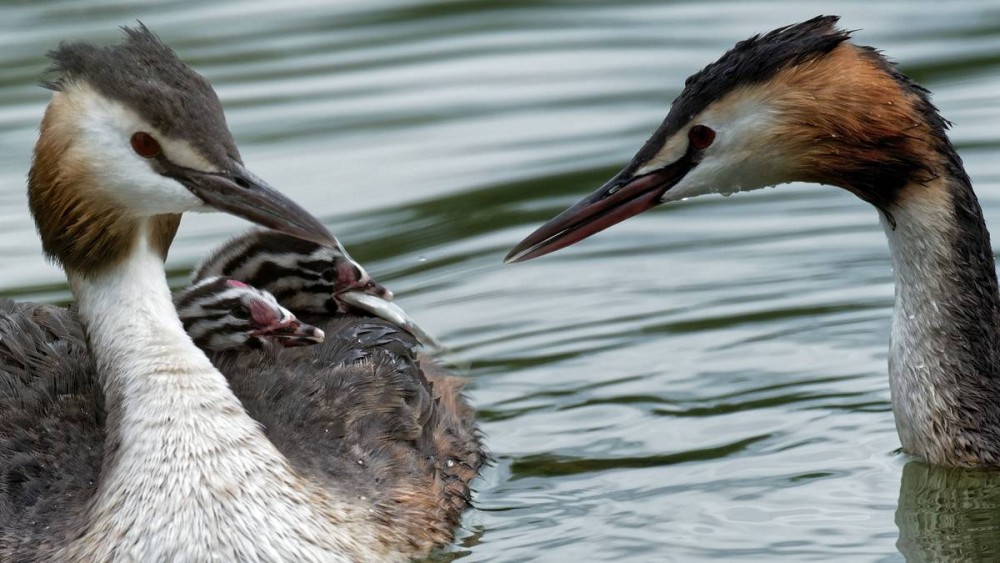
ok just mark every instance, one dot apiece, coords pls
pixel 800 103
pixel 131 139
pixel 220 313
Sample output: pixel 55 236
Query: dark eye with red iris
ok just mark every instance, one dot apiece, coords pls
pixel 145 145
pixel 701 137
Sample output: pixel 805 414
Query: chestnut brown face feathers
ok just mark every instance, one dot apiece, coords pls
pixel 835 113
pixel 800 103
pixel 848 121
pixel 752 62
pixel 81 228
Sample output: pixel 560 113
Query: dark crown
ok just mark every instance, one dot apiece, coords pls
pixel 146 75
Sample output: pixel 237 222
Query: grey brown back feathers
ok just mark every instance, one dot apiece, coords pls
pixel 366 414
pixel 52 413
pixel 361 412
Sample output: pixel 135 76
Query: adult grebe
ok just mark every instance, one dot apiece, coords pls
pixel 120 439
pixel 802 103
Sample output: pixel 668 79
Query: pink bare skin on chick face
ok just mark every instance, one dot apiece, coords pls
pixel 349 276
pixel 280 325
pixel 220 314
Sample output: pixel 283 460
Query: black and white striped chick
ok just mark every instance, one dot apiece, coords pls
pixel 304 276
pixel 222 313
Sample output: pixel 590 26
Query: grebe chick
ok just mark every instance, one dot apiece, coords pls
pixel 803 103
pixel 220 313
pixel 315 281
pixel 305 276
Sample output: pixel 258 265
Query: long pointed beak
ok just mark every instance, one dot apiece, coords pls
pixel 239 192
pixel 619 198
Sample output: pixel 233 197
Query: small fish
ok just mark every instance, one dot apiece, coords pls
pixel 391 312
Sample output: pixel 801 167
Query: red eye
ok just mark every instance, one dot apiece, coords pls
pixel 701 137
pixel 145 145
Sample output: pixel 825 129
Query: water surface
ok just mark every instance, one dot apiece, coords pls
pixel 704 382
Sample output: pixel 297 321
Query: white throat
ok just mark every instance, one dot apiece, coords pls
pixel 943 371
pixel 188 475
pixel 919 244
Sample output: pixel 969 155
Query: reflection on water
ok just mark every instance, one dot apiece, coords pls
pixel 704 382
pixel 948 514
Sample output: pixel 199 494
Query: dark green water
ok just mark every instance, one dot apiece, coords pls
pixel 704 382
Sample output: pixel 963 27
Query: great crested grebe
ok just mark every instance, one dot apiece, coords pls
pixel 802 103
pixel 222 313
pixel 120 439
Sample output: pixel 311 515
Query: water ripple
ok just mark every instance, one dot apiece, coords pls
pixel 704 382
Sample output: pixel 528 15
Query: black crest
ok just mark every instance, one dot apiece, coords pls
pixel 751 61
pixel 146 75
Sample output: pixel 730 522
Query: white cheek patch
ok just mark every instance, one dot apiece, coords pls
pixel 741 158
pixel 105 128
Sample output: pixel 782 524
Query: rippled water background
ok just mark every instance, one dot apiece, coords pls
pixel 706 381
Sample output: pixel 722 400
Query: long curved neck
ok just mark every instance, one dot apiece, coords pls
pixel 134 335
pixel 187 473
pixel 944 360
